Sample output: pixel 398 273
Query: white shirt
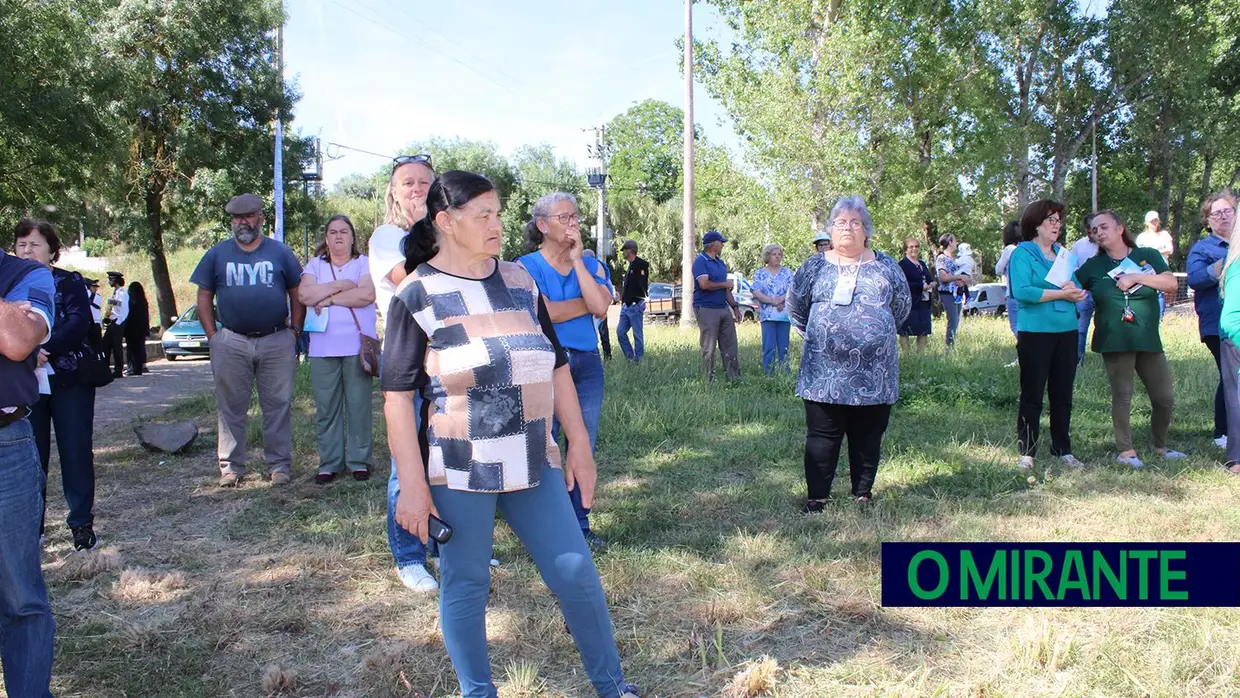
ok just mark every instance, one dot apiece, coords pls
pixel 385 253
pixel 1002 265
pixel 96 308
pixel 120 305
pixel 1159 240
pixel 1083 249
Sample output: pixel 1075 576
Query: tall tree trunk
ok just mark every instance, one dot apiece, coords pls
pixel 165 298
pixel 1177 215
pixel 1234 175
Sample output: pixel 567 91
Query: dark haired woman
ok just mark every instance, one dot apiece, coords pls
pixel 408 183
pixel 576 290
pixel 336 284
pixel 473 336
pixel 920 286
pixel 1125 281
pixel 71 404
pixel 1046 331
pixel 137 329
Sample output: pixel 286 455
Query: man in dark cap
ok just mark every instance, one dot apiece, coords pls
pixel 633 303
pixel 95 333
pixel 115 313
pixel 253 281
pixel 712 296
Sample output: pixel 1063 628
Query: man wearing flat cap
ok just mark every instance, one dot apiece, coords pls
pixel 115 313
pixel 252 279
pixel 712 296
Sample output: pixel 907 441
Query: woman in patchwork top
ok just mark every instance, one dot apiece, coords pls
pixel 848 303
pixel 473 336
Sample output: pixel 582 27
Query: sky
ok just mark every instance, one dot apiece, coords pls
pixel 378 75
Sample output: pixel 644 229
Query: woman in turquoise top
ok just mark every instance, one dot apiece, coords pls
pixel 1229 354
pixel 1046 332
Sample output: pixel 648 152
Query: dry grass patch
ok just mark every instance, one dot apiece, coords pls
pixel 757 679
pixel 279 680
pixel 82 566
pixel 139 585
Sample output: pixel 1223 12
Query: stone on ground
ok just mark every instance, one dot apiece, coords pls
pixel 167 438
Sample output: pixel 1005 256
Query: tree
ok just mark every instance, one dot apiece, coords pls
pixel 199 87
pixel 645 150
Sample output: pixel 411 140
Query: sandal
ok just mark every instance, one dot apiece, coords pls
pixel 1232 467
pixel 863 499
pixel 361 475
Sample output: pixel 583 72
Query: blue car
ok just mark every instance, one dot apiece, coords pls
pixel 186 336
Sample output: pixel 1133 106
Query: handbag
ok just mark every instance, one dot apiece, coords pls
pixel 92 363
pixel 368 355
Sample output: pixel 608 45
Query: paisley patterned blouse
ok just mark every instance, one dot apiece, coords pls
pixel 850 356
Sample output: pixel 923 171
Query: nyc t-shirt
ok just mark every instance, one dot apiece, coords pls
pixel 251 288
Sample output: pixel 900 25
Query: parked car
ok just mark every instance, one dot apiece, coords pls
pixel 986 299
pixel 186 336
pixel 664 300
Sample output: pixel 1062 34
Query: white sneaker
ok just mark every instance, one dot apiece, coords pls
pixel 1025 463
pixel 1172 454
pixel 417 578
pixel 1014 364
pixel 1131 461
pixel 1071 461
pixel 1221 441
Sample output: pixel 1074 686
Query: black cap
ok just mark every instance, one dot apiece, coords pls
pixel 629 245
pixel 90 282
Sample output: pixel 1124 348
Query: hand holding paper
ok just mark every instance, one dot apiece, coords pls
pixel 1061 270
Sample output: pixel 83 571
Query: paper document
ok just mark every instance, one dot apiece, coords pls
pixel 1061 270
pixel 315 321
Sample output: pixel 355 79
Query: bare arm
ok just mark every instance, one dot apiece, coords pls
pixel 21 330
pixel 579 467
pixel 563 311
pixel 594 293
pixel 1165 281
pixel 397 274
pixel 206 311
pixel 402 432
pixel 311 292
pixel 359 297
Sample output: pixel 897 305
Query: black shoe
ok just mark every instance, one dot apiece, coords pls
pixel 814 506
pixel 596 542
pixel 84 538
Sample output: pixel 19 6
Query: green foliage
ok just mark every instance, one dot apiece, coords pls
pixel 96 248
pixel 646 150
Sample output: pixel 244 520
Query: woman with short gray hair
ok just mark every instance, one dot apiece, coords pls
pixel 848 303
pixel 770 287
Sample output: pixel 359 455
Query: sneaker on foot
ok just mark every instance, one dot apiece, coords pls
pixel 1131 461
pixel 1025 463
pixel 1014 364
pixel 230 480
pixel 629 691
pixel 324 478
pixel 417 578
pixel 361 475
pixel 1172 454
pixel 596 542
pixel 1071 461
pixel 84 538
pixel 280 478
pixel 1221 441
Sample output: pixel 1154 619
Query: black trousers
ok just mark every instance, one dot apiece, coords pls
pixel 1220 405
pixel 114 346
pixel 1047 365
pixel 135 351
pixel 826 425
pixel 604 338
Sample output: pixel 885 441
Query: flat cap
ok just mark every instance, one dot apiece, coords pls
pixel 244 205
pixel 629 245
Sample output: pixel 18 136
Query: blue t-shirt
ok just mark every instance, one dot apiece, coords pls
pixel 714 270
pixel 251 288
pixel 578 333
pixel 23 280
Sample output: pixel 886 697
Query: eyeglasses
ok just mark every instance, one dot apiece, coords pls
pixel 1053 219
pixel 421 158
pixel 1222 213
pixel 565 218
pixel 855 224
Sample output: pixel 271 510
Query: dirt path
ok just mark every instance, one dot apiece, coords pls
pixel 167 384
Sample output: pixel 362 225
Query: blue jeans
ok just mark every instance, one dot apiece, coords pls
pixel 1085 313
pixel 540 516
pixel 1013 309
pixel 587 370
pixel 775 346
pixel 26 625
pixel 952 311
pixel 632 316
pixel 407 549
pixel 71 409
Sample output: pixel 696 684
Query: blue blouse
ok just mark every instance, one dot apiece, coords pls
pixel 775 285
pixel 850 356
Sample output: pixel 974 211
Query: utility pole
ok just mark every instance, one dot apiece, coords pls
pixel 689 243
pixel 598 180
pixel 1094 164
pixel 278 232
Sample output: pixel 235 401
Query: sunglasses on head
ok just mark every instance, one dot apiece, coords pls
pixel 421 158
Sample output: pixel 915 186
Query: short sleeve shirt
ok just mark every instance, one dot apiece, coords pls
pixel 482 353
pixel 775 285
pixel 251 288
pixel 949 266
pixel 386 251
pixel 341 338
pixel 1111 332
pixel 578 333
pixel 714 270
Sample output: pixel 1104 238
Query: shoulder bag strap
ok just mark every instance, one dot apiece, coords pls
pixel 357 324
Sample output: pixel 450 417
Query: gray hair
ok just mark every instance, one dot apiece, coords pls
pixel 855 204
pixel 542 209
pixel 768 250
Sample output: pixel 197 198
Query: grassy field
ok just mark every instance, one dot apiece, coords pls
pixel 717 585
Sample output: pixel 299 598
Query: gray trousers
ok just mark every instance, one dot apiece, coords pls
pixel 238 363
pixel 343 413
pixel 952 311
pixel 1230 356
pixel 717 327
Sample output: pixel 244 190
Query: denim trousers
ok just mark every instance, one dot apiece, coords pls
pixel 775 336
pixel 587 371
pixel 407 549
pixel 1084 313
pixel 343 413
pixel 631 316
pixel 1013 309
pixel 26 625
pixel 71 410
pixel 540 517
pixel 952 311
